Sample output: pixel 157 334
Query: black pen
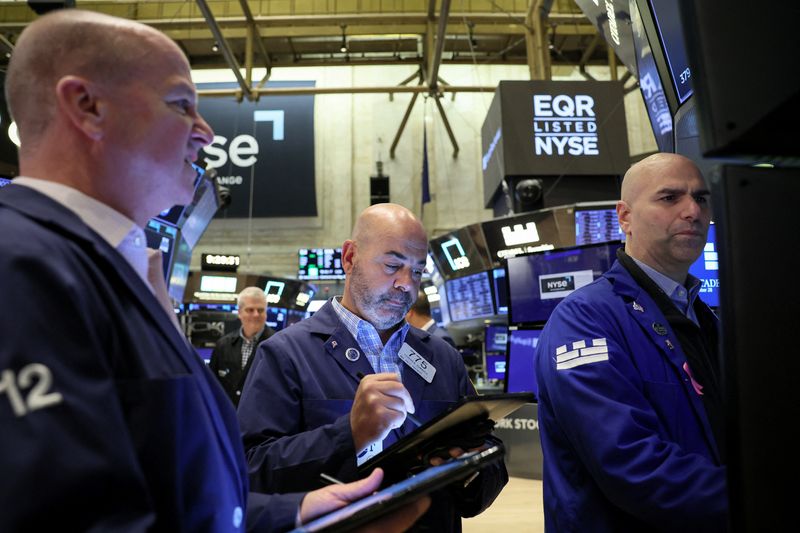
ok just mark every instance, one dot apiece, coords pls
pixel 414 419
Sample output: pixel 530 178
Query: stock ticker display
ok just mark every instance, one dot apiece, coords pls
pixel 320 263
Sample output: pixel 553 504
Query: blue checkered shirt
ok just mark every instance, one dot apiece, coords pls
pixel 382 358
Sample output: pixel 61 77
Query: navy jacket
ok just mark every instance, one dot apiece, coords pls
pixel 226 362
pixel 114 422
pixel 295 411
pixel 626 441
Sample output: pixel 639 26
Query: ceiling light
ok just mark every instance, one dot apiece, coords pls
pixel 215 47
pixel 343 48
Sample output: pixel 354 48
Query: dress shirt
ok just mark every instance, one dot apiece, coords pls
pixel 681 296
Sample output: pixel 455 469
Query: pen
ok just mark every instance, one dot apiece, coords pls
pixel 414 419
pixel 330 479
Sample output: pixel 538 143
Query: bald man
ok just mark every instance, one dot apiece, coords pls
pixel 332 391
pixel 630 408
pixel 110 422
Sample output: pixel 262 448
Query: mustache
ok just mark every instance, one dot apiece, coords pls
pixel 403 298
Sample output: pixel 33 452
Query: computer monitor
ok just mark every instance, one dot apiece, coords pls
pixel 470 297
pixel 276 318
pixel 215 283
pixel 597 223
pixel 500 291
pixel 205 353
pixel 706 269
pixel 461 252
pixel 496 366
pixel 496 338
pixel 162 236
pixel 319 263
pixel 520 369
pixel 538 282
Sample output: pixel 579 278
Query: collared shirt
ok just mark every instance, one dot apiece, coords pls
pixel 382 358
pixel 248 345
pixel 428 325
pixel 682 297
pixel 115 228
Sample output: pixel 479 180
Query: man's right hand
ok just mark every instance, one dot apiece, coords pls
pixel 380 405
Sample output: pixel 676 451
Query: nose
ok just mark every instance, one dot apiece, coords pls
pixel 202 133
pixel 404 280
pixel 691 209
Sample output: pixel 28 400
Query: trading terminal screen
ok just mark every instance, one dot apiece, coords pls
pixel 469 297
pixel 320 263
pixel 597 225
pixel 706 268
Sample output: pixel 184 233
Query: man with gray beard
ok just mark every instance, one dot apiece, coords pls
pixel 333 391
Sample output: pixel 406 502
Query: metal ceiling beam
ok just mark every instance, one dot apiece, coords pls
pixel 223 45
pixel 290 91
pixel 259 41
pixel 433 71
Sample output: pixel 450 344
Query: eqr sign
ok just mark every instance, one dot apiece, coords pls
pixel 564 124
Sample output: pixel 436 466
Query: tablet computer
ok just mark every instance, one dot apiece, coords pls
pixel 465 425
pixel 403 492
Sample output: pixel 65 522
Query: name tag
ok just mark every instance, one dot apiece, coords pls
pixel 371 451
pixel 419 364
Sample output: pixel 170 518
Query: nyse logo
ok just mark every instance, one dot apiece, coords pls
pixel 518 234
pixel 564 124
pixel 243 149
pixel 551 285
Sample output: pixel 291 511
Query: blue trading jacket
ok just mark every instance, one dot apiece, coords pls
pixel 626 442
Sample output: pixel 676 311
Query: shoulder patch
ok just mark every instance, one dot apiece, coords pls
pixel 580 354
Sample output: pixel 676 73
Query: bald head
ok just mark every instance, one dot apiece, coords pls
pixel 73 42
pixel 641 175
pixel 376 221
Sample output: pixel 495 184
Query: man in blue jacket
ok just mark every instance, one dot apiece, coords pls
pixel 332 391
pixel 630 406
pixel 110 422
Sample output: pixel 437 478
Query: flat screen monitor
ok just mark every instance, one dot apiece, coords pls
pixel 538 282
pixel 706 269
pixel 319 263
pixel 520 370
pixel 179 273
pixel 500 291
pixel 212 283
pixel 596 224
pixel 521 234
pixel 496 338
pixel 196 217
pixel 469 297
pixel 496 366
pixel 4 182
pixel 162 236
pixel 276 318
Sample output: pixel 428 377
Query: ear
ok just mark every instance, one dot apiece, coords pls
pixel 348 256
pixel 624 216
pixel 78 99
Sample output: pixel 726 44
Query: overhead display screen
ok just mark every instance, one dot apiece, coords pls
pixel 668 23
pixel 320 263
pixel 521 234
pixel 469 297
pixel 461 252
pixel 500 291
pixel 538 282
pixel 496 337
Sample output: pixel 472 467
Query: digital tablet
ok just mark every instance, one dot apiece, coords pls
pixel 399 494
pixel 465 425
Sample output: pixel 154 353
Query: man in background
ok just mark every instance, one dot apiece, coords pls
pixel 332 391
pixel 110 422
pixel 630 400
pixel 231 359
pixel 420 317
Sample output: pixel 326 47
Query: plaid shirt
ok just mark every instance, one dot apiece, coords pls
pixel 382 358
pixel 248 345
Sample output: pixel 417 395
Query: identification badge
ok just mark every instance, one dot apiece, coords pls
pixel 371 451
pixel 409 356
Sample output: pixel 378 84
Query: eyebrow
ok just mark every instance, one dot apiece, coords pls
pixel 670 190
pixel 402 257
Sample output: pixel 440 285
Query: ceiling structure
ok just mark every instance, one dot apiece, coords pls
pixel 286 33
pixel 243 35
